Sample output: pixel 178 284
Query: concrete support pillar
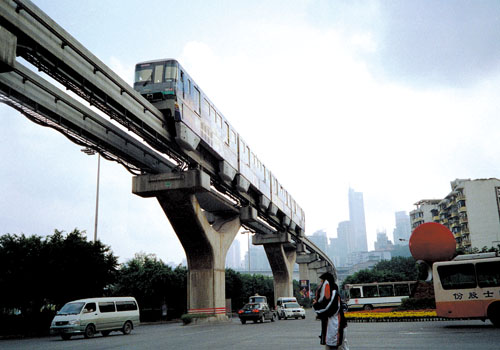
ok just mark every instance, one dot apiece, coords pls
pixel 281 255
pixel 306 272
pixel 205 244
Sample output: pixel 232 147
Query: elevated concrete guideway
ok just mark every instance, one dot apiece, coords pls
pixel 205 211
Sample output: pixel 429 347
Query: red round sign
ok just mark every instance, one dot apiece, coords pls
pixel 432 242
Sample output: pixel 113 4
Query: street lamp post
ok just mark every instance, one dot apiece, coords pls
pixel 91 152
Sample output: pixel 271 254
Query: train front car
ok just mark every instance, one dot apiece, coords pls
pixel 157 82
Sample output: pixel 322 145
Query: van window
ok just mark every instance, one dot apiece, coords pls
pixel 126 305
pixel 108 306
pixel 90 307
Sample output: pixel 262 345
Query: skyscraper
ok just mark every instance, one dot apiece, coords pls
pixel 233 257
pixel 320 239
pixel 357 241
pixel 402 230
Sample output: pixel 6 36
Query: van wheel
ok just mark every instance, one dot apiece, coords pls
pixel 89 331
pixel 66 336
pixel 127 328
pixel 368 307
pixel 105 333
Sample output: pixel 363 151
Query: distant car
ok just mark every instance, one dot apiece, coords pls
pixel 281 301
pixel 256 312
pixel 291 310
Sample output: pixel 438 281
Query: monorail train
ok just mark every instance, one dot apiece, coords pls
pixel 188 111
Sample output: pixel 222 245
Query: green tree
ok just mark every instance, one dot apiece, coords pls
pixel 397 269
pixel 153 283
pixel 39 274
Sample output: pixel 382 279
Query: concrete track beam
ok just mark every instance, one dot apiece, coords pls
pixel 7 50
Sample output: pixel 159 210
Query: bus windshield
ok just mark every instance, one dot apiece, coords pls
pixel 157 72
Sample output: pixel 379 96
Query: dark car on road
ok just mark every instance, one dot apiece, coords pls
pixel 256 312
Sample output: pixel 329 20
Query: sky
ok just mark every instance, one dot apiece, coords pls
pixel 394 99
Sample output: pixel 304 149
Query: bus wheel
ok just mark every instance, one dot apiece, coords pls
pixel 494 314
pixel 368 307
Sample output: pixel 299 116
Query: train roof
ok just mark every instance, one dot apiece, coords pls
pixel 158 60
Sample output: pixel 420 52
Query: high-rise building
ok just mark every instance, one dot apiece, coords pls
pixel 357 241
pixel 320 239
pixel 233 257
pixel 471 211
pixel 344 232
pixel 427 211
pixel 383 243
pixel 402 231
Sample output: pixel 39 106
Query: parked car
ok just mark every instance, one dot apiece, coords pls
pixel 291 310
pixel 256 312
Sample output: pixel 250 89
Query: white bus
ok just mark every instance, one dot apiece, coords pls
pixel 367 296
pixel 468 287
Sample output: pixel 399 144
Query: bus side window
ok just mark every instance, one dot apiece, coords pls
pixel 355 293
pixel 460 276
pixel 401 290
pixel 386 290
pixel 488 274
pixel 370 291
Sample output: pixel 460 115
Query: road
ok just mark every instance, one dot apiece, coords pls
pixel 284 334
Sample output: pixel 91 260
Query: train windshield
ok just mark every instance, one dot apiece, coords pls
pixel 157 72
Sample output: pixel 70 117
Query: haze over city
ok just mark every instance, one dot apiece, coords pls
pixel 392 99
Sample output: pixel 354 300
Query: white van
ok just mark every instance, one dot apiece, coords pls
pixel 89 316
pixel 279 305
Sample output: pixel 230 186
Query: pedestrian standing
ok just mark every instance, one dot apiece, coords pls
pixel 328 308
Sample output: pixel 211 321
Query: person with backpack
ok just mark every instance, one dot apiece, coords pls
pixel 329 309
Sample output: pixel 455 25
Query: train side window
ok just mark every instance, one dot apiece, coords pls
pixel 226 132
pixel 205 108
pixel 182 85
pixel 158 77
pixel 248 156
pixel 218 120
pixel 196 100
pixel 233 137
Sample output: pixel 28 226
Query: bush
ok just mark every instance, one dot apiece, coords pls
pixel 417 304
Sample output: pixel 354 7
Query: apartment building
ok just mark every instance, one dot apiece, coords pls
pixel 471 211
